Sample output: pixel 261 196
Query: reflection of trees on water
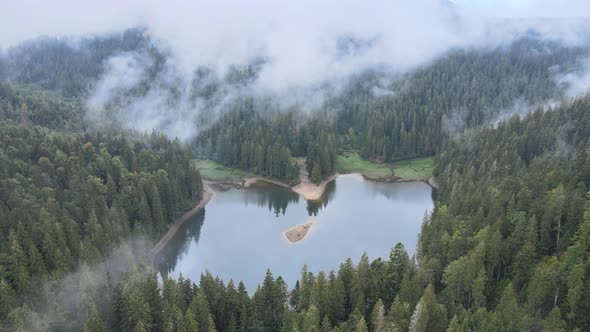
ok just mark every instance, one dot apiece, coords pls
pixel 167 259
pixel 274 197
pixel 313 207
pixel 398 191
pixel 277 198
pixel 392 191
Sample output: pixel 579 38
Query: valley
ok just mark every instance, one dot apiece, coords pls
pixel 383 166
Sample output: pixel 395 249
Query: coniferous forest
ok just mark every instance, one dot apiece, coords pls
pixel 83 199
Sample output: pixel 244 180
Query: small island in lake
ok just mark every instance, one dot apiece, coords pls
pixel 298 232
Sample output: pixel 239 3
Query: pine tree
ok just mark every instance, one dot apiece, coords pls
pixel 398 317
pixel 199 307
pixel 378 317
pixel 316 173
pixel 157 211
pixel 429 315
pixel 454 325
pixel 151 293
pixel 7 298
pixel 18 264
pixel 478 288
pixel 190 322
pixel 508 311
pixel 553 322
pixel 398 264
pixel 319 294
pixel 306 288
pixel 95 323
pixel 326 325
pixel 312 320
pixel 135 309
pixel 361 326
pixel 418 322
pixel 337 298
pixel 543 290
pixel 295 295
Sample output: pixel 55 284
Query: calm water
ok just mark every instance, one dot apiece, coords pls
pixel 240 233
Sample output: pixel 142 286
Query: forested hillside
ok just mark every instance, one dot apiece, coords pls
pixel 69 198
pixel 463 89
pixel 383 114
pixel 505 249
pixel 249 139
pixel 30 105
pixel 408 116
pixel 507 244
pixel 68 67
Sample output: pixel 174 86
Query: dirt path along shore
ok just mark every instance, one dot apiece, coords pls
pixel 208 194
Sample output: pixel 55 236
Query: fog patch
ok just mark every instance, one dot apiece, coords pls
pixel 122 73
pixel 519 107
pixel 577 82
pixel 72 299
pixel 302 52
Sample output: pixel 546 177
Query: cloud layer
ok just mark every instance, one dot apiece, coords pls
pixel 303 45
pixel 307 42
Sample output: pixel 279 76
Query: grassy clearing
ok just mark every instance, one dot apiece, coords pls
pixel 347 162
pixel 352 162
pixel 411 169
pixel 414 169
pixel 213 171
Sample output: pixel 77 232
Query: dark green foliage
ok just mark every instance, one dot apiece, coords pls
pixel 423 109
pixel 29 105
pixel 316 173
pixel 67 199
pixel 265 141
pixel 504 235
pixel 461 90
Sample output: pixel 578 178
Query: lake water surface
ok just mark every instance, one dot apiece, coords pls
pixel 239 234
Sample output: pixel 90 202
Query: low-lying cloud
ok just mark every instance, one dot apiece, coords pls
pixel 304 42
pixel 70 300
pixel 577 83
pixel 302 46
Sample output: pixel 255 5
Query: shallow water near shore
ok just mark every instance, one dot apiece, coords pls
pixel 240 233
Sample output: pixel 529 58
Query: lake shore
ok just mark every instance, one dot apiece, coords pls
pixel 247 182
pixel 222 178
pixel 312 192
pixel 239 223
pixel 306 189
pixel 208 195
pixel 430 181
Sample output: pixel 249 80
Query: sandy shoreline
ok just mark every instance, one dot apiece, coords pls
pixel 431 181
pixel 312 192
pixel 298 232
pixel 308 190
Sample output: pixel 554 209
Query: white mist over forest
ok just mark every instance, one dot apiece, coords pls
pixel 300 51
